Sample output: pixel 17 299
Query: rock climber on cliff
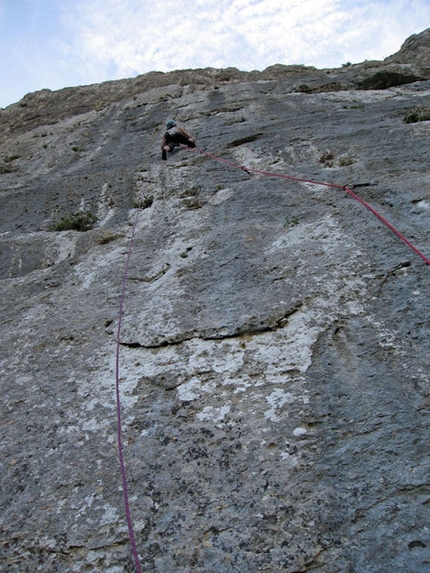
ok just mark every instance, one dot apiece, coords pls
pixel 173 137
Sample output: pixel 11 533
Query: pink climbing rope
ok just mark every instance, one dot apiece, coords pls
pixel 346 188
pixel 389 225
pixel 118 410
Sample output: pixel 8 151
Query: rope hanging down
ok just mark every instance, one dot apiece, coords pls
pixel 118 410
pixel 347 188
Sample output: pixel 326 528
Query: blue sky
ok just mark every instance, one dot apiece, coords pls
pixel 60 43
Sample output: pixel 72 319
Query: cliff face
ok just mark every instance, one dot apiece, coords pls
pixel 274 346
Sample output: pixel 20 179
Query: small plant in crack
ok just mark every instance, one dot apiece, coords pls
pixel 77 221
pixel 327 158
pixel 290 222
pixel 417 115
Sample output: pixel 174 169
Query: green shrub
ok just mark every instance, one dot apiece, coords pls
pixel 291 222
pixel 345 161
pixel 327 158
pixel 417 115
pixel 78 221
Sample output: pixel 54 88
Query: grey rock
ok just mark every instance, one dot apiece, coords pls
pixel 416 50
pixel 273 355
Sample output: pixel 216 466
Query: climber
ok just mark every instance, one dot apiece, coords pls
pixel 173 137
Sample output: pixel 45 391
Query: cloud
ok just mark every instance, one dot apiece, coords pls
pixel 128 37
pixel 44 43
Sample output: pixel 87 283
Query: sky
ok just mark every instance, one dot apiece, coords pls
pixel 61 43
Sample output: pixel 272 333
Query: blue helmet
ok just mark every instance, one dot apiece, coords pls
pixel 170 123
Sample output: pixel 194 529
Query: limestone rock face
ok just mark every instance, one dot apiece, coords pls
pixel 416 50
pixel 274 358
